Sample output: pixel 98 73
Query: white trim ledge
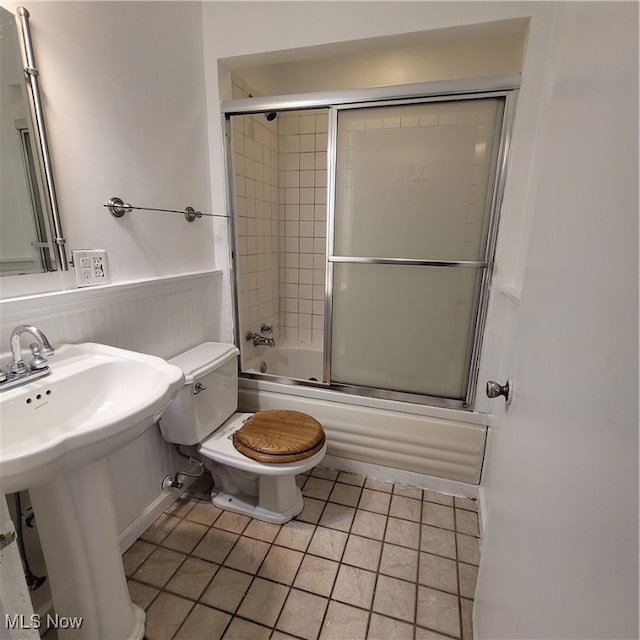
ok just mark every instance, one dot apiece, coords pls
pixel 44 305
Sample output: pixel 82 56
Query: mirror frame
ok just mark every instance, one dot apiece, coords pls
pixel 41 140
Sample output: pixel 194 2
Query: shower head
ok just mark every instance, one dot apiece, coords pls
pixel 271 116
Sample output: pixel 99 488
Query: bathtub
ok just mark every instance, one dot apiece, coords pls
pixel 302 362
pixel 438 448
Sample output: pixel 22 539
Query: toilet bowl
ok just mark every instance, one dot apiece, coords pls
pixel 253 457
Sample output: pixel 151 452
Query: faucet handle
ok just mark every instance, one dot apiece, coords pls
pixel 266 328
pixel 39 361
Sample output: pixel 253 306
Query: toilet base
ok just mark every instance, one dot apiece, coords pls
pixel 246 505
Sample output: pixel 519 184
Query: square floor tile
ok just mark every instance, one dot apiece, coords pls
pixel 263 602
pixel 316 575
pixel 354 586
pixel 204 513
pixel 379 485
pixel 369 525
pixel 407 491
pixel 438 611
pixel 437 497
pixel 234 522
pixel 260 530
pixel 185 536
pixel 227 589
pixel 468 575
pixel 406 508
pixel 158 568
pixel 337 516
pixel 311 511
pixel 438 572
pixel 295 535
pixel 324 472
pixel 467 522
pixel 351 478
pixel 467 618
pixel 399 562
pixel 438 541
pixel 437 515
pixel 317 488
pixel 192 578
pixel 403 533
pixel 181 507
pixel 135 555
pixel 165 615
pixel 141 594
pixel 362 552
pixel 376 501
pixel 160 529
pixel 468 549
pixel 302 614
pixel 281 565
pixel 466 503
pixel 383 628
pixel 215 545
pixel 395 598
pixel 346 494
pixel 343 621
pixel 328 543
pixel 203 623
pixel 240 629
pixel 247 554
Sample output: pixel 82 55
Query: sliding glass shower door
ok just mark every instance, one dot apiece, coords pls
pixel 410 227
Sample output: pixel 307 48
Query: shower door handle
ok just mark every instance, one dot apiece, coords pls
pixel 495 390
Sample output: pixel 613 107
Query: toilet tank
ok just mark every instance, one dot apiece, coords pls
pixel 209 396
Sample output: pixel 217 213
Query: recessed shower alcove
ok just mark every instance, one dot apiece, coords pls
pixel 365 182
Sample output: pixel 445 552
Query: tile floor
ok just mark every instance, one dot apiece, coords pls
pixel 364 559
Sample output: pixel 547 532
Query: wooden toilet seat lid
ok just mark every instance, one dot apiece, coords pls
pixel 279 436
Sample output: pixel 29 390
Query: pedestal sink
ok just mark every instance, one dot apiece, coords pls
pixel 55 435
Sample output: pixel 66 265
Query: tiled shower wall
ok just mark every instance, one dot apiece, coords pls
pixel 303 205
pixel 280 180
pixel 255 166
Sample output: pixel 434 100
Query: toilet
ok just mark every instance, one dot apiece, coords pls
pixel 253 457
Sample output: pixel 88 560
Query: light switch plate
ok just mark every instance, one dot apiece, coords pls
pixel 90 266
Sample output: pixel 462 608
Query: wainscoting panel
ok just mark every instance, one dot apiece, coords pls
pixel 162 317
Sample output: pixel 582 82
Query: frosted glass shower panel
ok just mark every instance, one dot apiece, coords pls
pixel 404 328
pixel 413 180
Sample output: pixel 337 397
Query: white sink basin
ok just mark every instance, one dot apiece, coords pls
pixel 96 400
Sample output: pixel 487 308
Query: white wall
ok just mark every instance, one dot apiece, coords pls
pixel 560 553
pixel 123 86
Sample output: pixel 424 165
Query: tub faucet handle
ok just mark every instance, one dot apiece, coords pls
pixel 266 328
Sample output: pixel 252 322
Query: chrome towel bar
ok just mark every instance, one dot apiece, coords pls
pixel 117 207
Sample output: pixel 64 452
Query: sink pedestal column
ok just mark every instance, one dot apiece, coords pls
pixel 79 538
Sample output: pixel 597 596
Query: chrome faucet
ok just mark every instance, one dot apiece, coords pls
pixel 259 340
pixel 18 372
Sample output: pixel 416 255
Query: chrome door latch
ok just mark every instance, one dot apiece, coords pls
pixel 495 390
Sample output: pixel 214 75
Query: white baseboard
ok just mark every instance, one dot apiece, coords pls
pixel 136 528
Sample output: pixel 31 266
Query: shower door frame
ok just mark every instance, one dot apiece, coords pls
pixel 505 87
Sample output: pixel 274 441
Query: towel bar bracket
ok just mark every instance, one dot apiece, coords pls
pixel 118 207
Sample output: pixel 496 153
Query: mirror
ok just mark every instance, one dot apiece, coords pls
pixel 31 238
